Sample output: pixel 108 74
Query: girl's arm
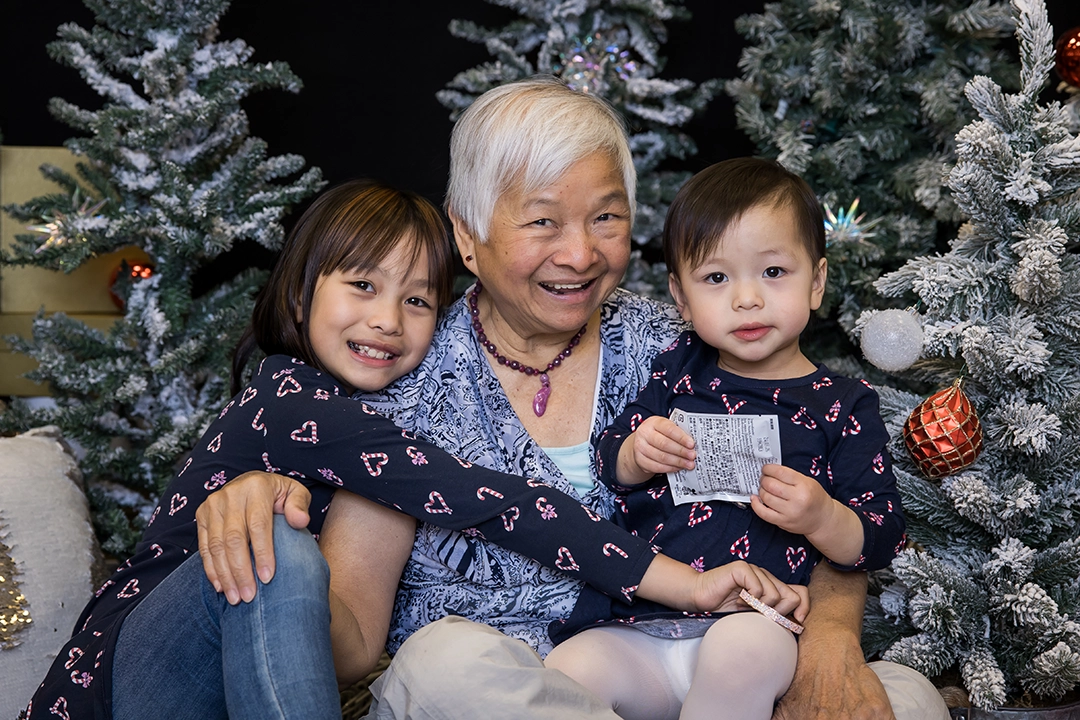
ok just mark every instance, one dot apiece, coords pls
pixel 366 546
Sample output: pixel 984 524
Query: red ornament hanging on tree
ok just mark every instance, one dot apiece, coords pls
pixel 943 433
pixel 136 271
pixel 1067 57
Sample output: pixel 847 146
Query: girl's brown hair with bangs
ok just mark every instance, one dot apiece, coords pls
pixel 354 225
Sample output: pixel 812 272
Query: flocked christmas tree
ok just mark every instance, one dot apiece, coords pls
pixel 610 49
pixel 991 585
pixel 863 98
pixel 167 165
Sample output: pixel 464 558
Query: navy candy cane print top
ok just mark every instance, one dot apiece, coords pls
pixel 293 420
pixel 830 430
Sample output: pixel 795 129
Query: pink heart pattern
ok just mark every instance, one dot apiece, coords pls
pixel 795 557
pixel 300 434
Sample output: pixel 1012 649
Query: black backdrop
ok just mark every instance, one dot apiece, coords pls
pixel 370 70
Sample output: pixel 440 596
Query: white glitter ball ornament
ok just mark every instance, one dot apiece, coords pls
pixel 892 340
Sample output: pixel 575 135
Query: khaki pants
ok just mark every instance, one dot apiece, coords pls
pixel 455 669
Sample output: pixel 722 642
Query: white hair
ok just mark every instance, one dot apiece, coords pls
pixel 527 134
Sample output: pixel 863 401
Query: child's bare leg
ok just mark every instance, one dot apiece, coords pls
pixel 629 670
pixel 745 663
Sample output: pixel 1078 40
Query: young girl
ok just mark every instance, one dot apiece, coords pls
pixel 351 305
pixel 744 243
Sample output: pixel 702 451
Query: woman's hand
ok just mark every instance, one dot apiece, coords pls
pixel 657 446
pixel 238 520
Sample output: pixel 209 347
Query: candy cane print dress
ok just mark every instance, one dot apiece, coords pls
pixel 293 420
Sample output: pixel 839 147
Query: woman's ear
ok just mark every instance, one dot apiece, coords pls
pixel 675 287
pixel 466 242
pixel 817 289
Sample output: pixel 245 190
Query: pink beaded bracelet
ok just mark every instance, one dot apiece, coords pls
pixel 770 612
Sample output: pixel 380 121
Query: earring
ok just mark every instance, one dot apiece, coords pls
pixel 468 258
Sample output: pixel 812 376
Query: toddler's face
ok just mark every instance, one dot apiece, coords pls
pixel 753 295
pixel 370 327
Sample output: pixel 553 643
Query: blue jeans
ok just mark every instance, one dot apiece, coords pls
pixel 184 652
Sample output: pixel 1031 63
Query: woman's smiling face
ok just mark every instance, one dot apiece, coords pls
pixel 555 254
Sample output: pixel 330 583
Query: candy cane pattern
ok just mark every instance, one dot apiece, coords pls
pixel 741 547
pixel 900 545
pixel 59 708
pixel 407 435
pixel 828 472
pixel 266 461
pixel 74 655
pixel 699 564
pixel 824 382
pixel 225 409
pixel 215 444
pixel 878 464
pixel 288 385
pixel 592 516
pixel 485 490
pixel 706 513
pixel 621 504
pixel 815 468
pixel 463 463
pixel 802 418
pixel 714 383
pixel 442 508
pixel 177 503
pixel 795 557
pixel 248 396
pixel 565 561
pixel 683 387
pixel 81 678
pixel 186 466
pixel 153 516
pixel 628 593
pixel 874 518
pixel 888 504
pixel 834 412
pixel 547 511
pixel 299 436
pixel 282 373
pixel 854 429
pixel 380 460
pixel 130 590
pixel 613 548
pixel 635 421
pixel 101 589
pixel 657 493
pixel 321 394
pixel 732 409
pixel 534 483
pixel 216 480
pixel 509 516
pixel 866 383
pixel 865 497
pixel 256 425
pixel 660 375
pixel 776 396
pixel 656 531
pixel 331 476
pixel 157 550
pixel 417 457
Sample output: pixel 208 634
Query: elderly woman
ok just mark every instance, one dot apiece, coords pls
pixel 540 355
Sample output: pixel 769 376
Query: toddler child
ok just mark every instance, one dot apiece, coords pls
pixel 745 247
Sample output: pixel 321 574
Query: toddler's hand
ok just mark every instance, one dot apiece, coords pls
pixel 657 446
pixel 792 501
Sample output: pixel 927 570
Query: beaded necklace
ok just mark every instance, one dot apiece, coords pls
pixel 540 400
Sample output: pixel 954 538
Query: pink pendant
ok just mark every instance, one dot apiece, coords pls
pixel 541 397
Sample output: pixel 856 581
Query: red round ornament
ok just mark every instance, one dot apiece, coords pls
pixel 1067 57
pixel 136 271
pixel 943 433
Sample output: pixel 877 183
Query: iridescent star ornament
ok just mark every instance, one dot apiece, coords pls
pixel 845 227
pixel 585 65
pixel 68 228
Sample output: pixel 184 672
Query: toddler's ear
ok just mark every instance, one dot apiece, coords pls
pixel 817 289
pixel 675 287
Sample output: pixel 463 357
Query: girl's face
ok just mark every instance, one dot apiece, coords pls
pixel 753 295
pixel 370 327
pixel 555 254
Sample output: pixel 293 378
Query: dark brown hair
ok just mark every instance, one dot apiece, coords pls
pixel 721 193
pixel 354 225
